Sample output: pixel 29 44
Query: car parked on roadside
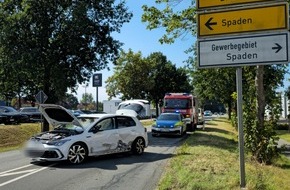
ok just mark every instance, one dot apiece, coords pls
pixel 32 112
pixel 200 117
pixel 12 116
pixel 207 113
pixel 74 139
pixel 170 124
pixel 2 119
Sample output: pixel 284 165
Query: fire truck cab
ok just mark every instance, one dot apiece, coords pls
pixel 184 103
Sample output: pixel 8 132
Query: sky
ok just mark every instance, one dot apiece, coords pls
pixel 134 35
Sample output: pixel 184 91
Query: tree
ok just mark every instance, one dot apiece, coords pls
pixel 215 84
pixel 131 77
pixel 72 101
pixel 166 78
pixel 87 99
pixel 58 44
pixel 148 78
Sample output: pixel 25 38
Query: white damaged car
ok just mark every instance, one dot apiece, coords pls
pixel 74 139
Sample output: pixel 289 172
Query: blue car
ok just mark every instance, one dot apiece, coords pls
pixel 169 124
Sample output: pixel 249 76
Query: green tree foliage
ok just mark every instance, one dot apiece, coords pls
pixel 148 78
pixel 166 77
pixel 87 98
pixel 215 84
pixel 72 101
pixel 259 83
pixel 131 77
pixel 54 45
pixel 177 23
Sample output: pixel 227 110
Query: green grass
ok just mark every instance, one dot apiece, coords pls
pixel 147 122
pixel 284 134
pixel 209 160
pixel 14 136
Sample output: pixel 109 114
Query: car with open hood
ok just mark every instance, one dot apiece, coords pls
pixel 169 124
pixel 74 139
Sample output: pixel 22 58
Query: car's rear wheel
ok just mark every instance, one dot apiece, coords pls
pixel 138 146
pixel 77 153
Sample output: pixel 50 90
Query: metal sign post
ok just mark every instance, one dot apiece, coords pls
pixel 41 97
pixel 97 81
pixel 240 126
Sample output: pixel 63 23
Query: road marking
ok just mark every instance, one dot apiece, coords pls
pixel 26 173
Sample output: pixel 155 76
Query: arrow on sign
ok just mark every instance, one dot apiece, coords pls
pixel 208 24
pixel 277 48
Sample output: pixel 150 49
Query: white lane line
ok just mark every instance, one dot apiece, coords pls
pixel 23 176
pixel 16 169
pixel 17 173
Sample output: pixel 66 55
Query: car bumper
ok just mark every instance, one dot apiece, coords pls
pixel 164 130
pixel 43 152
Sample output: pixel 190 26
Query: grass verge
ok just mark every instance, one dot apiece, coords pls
pixel 209 160
pixel 14 136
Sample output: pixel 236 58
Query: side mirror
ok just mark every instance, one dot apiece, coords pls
pixel 79 129
pixel 95 129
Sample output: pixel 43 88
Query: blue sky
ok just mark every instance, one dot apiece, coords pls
pixel 134 35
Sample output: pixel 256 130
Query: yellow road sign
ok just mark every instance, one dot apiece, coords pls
pixel 215 3
pixel 251 19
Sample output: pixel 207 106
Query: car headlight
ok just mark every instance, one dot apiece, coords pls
pixel 58 142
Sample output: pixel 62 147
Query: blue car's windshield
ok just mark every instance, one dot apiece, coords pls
pixel 172 117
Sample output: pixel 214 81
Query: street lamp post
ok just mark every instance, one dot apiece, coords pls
pixel 85 96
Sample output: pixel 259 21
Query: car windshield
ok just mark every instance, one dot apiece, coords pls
pixel 177 103
pixel 172 117
pixel 66 127
pixel 132 106
pixel 7 109
pixel 87 121
pixel 28 110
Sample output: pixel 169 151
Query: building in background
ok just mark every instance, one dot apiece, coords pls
pixel 111 106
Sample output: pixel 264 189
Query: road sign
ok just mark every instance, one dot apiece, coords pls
pixel 246 50
pixel 97 80
pixel 216 3
pixel 41 97
pixel 242 20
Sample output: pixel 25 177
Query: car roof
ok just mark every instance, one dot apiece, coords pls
pixel 92 115
pixel 101 115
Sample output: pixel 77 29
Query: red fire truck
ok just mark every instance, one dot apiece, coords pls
pixel 184 103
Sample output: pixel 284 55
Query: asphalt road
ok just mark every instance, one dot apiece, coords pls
pixel 121 171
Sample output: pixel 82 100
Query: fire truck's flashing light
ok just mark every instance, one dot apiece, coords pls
pixel 184 94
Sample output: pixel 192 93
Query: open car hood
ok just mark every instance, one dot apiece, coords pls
pixel 56 115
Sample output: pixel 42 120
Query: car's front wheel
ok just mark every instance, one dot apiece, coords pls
pixel 138 146
pixel 77 153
